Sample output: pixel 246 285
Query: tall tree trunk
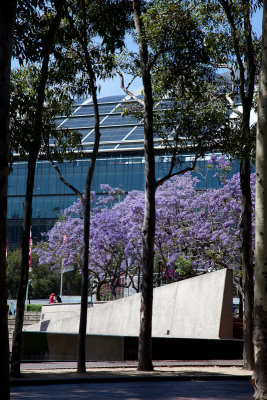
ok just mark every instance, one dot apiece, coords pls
pixel 260 296
pixel 148 228
pixel 24 272
pixel 246 218
pixel 32 159
pixel 7 23
pixel 247 263
pixel 247 70
pixel 81 354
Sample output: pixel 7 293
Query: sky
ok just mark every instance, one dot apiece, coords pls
pixel 112 86
pixel 257 22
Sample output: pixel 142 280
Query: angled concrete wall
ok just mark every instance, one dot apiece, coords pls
pixel 200 307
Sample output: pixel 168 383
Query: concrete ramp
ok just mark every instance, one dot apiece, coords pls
pixel 200 308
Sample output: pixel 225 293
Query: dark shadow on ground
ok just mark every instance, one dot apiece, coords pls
pixel 167 390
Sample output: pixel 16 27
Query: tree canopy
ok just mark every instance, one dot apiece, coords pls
pixel 196 231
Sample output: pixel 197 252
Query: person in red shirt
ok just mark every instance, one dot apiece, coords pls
pixel 52 298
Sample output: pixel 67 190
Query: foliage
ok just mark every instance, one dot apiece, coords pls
pixel 230 32
pixel 175 34
pixel 44 281
pixel 89 35
pixel 13 273
pixel 24 91
pixel 34 307
pixel 33 20
pixel 235 50
pixel 106 294
pixel 196 231
pixel 72 49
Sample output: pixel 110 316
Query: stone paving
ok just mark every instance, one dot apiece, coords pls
pixel 124 390
pixel 170 380
pixel 128 364
pixel 47 372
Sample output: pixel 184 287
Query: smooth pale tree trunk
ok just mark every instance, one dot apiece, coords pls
pixel 148 228
pixel 32 159
pixel 7 23
pixel 260 291
pixel 248 85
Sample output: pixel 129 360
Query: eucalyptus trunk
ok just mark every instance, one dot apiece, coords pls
pixel 260 292
pixel 148 228
pixel 247 263
pixel 32 159
pixel 248 84
pixel 24 271
pixel 247 70
pixel 7 22
pixel 81 353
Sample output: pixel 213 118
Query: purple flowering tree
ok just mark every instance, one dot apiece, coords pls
pixel 196 231
pixel 109 248
pixel 202 227
pixel 199 230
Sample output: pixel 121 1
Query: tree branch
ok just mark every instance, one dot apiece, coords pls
pixel 227 9
pixel 171 173
pixel 61 178
pixel 126 90
pixel 229 96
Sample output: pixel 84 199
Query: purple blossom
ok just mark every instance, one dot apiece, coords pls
pixel 194 230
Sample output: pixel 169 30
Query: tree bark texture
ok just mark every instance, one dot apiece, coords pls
pixel 148 228
pixel 32 159
pixel 24 272
pixel 81 355
pixel 246 94
pixel 260 292
pixel 7 23
pixel 247 263
pixel 246 85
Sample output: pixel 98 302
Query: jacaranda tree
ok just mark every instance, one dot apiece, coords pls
pixel 196 231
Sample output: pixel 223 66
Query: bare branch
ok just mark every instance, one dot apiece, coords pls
pixel 171 173
pixel 126 90
pixel 228 12
pixel 131 81
pixel 229 96
pixel 61 178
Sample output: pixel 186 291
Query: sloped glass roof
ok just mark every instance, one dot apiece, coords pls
pixel 118 132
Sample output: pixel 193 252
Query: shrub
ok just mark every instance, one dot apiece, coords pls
pixel 34 307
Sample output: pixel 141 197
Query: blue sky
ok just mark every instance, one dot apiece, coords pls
pixel 112 86
pixel 257 22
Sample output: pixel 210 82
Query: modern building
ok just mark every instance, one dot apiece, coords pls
pixel 120 164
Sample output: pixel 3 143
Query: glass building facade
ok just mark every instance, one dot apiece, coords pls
pixel 120 164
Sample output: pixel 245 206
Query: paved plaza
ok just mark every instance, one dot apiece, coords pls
pixel 170 380
pixel 168 390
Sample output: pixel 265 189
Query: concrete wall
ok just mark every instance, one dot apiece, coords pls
pixel 57 311
pixel 58 346
pixel 200 307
